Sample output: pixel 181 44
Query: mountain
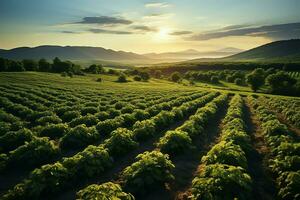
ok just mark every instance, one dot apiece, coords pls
pixel 192 54
pixel 70 53
pixel 279 50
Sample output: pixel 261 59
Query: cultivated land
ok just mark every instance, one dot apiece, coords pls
pixel 76 138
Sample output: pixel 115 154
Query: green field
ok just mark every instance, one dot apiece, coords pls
pixel 77 138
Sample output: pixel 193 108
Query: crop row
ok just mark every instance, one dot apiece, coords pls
pixel 223 171
pixel 153 169
pixel 74 138
pixel 284 147
pixel 287 107
pixel 96 159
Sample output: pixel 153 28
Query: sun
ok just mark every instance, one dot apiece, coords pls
pixel 163 34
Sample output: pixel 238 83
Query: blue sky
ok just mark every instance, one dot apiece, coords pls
pixel 148 26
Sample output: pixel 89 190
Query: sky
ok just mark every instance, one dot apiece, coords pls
pixel 145 26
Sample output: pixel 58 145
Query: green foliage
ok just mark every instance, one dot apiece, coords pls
pixel 54 130
pixel 143 129
pixel 108 191
pixel 122 78
pixel 78 137
pixel 175 142
pixel 175 77
pixel 120 142
pixel 137 78
pixel 36 152
pixel 220 181
pixel 12 140
pixel 151 170
pixel 226 153
pixel 256 79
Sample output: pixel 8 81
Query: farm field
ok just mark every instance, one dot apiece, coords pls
pixel 76 138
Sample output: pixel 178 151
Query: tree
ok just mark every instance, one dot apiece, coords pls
pixel 44 66
pixel 256 79
pixel 3 65
pixel 145 76
pixel 214 79
pixel 30 65
pixel 122 78
pixel 95 69
pixel 281 83
pixel 157 74
pixel 137 78
pixel 175 77
pixel 16 66
pixel 238 81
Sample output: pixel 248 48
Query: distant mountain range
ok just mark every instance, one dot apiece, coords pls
pixel 287 50
pixel 69 53
pixel 192 54
pixel 78 53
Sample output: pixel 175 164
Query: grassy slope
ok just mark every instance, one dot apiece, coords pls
pixel 88 82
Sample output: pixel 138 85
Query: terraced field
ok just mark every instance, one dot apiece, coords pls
pixel 63 138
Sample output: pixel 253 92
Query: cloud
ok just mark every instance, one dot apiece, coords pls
pixel 275 32
pixel 69 32
pixel 106 31
pixel 157 16
pixel 181 33
pixel 104 20
pixel 144 28
pixel 157 5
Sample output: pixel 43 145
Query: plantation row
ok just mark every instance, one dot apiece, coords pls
pixel 95 159
pixel 153 169
pixel 71 138
pixel 290 108
pixel 284 151
pixel 223 172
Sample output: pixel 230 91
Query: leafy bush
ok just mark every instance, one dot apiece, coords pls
pixel 108 191
pixel 78 137
pixel 102 115
pixel 137 78
pixel 143 129
pixel 175 142
pixel 219 181
pixel 88 120
pixel 289 184
pixel 122 78
pixel 88 163
pixel 151 170
pixel 226 153
pixel 48 120
pixel 70 115
pixel 120 142
pixel 13 139
pixel 89 110
pixel 54 130
pixel 107 126
pixel 36 152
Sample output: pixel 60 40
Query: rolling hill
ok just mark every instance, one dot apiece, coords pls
pixel 279 51
pixel 70 53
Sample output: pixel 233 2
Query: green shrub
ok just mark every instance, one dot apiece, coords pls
pixel 54 130
pixel 175 142
pixel 78 137
pixel 107 126
pixel 107 191
pixel 36 152
pixel 88 163
pixel 289 184
pixel 152 169
pixel 13 139
pixel 219 181
pixel 88 120
pixel 226 153
pixel 89 110
pixel 143 129
pixel 70 115
pixel 120 142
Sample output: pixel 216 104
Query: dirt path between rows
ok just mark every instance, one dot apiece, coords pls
pixel 263 185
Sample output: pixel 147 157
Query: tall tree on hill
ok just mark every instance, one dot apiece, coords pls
pixel 256 79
